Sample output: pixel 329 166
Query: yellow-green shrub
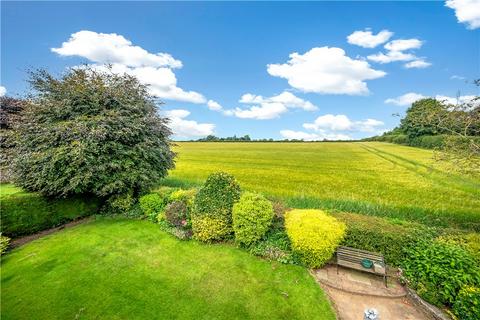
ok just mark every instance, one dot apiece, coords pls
pixel 186 196
pixel 314 235
pixel 252 216
pixel 4 242
pixel 207 228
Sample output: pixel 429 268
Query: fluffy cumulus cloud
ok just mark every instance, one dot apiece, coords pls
pixel 306 136
pixel 403 44
pixel 3 91
pixel 326 70
pixel 214 105
pixel 185 128
pixel 405 99
pixel 466 11
pixel 264 108
pixel 408 98
pixel 418 64
pixel 152 69
pixel 401 50
pixel 334 127
pixel 340 122
pixel 367 39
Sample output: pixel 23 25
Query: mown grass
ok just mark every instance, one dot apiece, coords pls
pixel 127 269
pixel 374 178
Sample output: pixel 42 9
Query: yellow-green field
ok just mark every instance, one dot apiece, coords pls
pixel 372 178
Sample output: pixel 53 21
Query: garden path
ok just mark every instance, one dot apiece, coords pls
pixel 352 292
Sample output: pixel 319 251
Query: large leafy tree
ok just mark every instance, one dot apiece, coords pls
pixel 418 120
pixel 10 116
pixel 91 131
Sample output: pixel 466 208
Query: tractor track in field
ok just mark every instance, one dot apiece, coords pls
pixel 435 175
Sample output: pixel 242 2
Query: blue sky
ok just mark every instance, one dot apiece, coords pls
pixel 271 70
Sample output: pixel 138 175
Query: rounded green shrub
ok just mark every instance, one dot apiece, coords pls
pixel 215 201
pixel 207 228
pixel 186 196
pixel 152 204
pixel 467 305
pixel 314 235
pixel 252 216
pixel 438 271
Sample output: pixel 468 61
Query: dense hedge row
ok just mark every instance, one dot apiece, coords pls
pixel 27 213
pixel 427 142
pixel 386 236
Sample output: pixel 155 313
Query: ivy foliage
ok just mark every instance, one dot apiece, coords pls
pixel 93 132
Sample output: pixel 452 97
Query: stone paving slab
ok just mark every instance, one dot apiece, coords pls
pixel 352 292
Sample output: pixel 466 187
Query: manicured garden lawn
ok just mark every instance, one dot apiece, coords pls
pixel 365 177
pixel 127 269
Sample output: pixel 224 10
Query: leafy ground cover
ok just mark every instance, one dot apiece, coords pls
pixel 129 269
pixel 365 177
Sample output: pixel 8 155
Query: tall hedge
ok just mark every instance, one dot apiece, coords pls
pixel 91 132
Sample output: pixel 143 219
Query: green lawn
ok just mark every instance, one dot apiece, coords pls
pixel 372 178
pixel 124 269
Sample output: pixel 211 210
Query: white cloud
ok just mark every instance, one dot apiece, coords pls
pixel 455 100
pixel 409 98
pixel 326 70
pixel 214 105
pixel 456 77
pixel 187 128
pixel 340 122
pixel 113 48
pixel 403 44
pixel 396 52
pixel 367 39
pixel 331 122
pixel 3 91
pixel 406 99
pixel 301 135
pixel 262 108
pixel 466 11
pixel 154 70
pixel 391 56
pixel 419 64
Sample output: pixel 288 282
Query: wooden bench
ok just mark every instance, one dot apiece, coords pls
pixel 352 258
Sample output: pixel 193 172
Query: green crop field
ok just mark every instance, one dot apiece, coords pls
pixel 371 178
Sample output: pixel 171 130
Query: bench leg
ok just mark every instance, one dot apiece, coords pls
pixel 337 269
pixel 385 280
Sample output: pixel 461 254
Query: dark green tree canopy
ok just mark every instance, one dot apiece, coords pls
pixel 91 132
pixel 418 122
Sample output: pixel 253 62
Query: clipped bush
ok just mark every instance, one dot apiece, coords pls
pixel 314 235
pixel 386 236
pixel 467 305
pixel 4 242
pixel 207 228
pixel 152 204
pixel 252 216
pixel 215 201
pixel 468 241
pixel 177 214
pixel 439 270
